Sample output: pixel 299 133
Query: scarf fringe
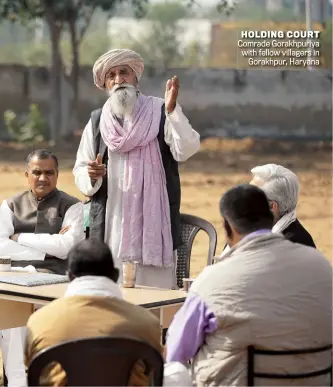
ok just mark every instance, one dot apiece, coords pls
pixel 148 262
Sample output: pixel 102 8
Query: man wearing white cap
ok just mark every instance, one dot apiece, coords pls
pixel 127 162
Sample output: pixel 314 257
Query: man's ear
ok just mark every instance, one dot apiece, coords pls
pixel 26 173
pixel 274 206
pixel 228 229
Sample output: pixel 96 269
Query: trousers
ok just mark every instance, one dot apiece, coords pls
pixel 12 347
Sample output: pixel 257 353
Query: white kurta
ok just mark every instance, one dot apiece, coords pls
pixel 183 141
pixel 30 246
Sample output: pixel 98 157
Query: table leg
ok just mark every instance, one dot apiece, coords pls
pixel 167 314
pixel 157 313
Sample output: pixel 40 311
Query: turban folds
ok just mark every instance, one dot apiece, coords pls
pixel 114 58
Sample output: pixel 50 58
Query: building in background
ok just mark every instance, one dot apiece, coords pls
pixel 132 32
pixel 274 5
pixel 321 10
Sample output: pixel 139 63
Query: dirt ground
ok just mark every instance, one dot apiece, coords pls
pixel 205 177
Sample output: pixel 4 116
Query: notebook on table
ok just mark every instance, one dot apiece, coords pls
pixel 36 279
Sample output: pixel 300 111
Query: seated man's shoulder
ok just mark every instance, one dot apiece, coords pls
pixel 55 309
pixel 297 233
pixel 66 313
pixel 17 198
pixel 140 314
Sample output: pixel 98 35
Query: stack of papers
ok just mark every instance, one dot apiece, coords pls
pixel 36 279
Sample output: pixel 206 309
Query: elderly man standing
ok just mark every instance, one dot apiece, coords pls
pixel 281 187
pixel 38 228
pixel 127 162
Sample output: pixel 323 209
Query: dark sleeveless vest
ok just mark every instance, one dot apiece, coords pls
pixel 38 217
pixel 99 199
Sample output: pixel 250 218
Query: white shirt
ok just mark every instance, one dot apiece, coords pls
pixel 183 141
pixel 91 285
pixel 34 247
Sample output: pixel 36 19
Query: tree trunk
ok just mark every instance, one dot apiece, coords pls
pixel 71 123
pixel 55 111
pixel 75 59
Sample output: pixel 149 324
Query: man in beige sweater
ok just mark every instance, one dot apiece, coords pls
pixel 92 307
pixel 266 291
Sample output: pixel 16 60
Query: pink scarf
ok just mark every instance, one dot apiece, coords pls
pixel 146 228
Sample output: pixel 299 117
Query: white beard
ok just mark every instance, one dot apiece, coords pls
pixel 122 100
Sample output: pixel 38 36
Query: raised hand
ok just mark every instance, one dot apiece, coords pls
pixel 171 94
pixel 96 169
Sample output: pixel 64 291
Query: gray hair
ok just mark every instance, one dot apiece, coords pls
pixel 280 185
pixel 41 154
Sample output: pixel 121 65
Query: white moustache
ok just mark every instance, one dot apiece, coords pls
pixel 124 86
pixel 122 100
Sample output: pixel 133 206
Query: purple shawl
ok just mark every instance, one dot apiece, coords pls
pixel 146 228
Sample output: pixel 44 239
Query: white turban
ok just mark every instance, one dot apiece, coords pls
pixel 117 57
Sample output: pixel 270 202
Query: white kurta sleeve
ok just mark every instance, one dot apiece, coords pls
pixel 6 220
pixel 59 245
pixel 85 154
pixel 11 248
pixel 182 139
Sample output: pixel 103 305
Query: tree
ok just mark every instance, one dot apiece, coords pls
pixel 73 16
pixel 164 39
pixel 60 15
pixel 222 6
pixel 161 37
pixel 195 55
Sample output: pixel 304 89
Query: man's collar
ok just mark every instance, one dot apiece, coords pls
pixel 256 233
pixel 97 286
pixel 48 196
pixel 251 238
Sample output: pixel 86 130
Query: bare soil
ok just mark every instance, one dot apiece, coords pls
pixel 219 165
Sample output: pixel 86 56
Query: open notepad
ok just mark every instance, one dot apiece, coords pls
pixel 35 279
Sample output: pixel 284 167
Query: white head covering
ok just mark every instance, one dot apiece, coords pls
pixel 117 57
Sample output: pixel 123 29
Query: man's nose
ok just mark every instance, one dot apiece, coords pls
pixel 119 79
pixel 43 177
